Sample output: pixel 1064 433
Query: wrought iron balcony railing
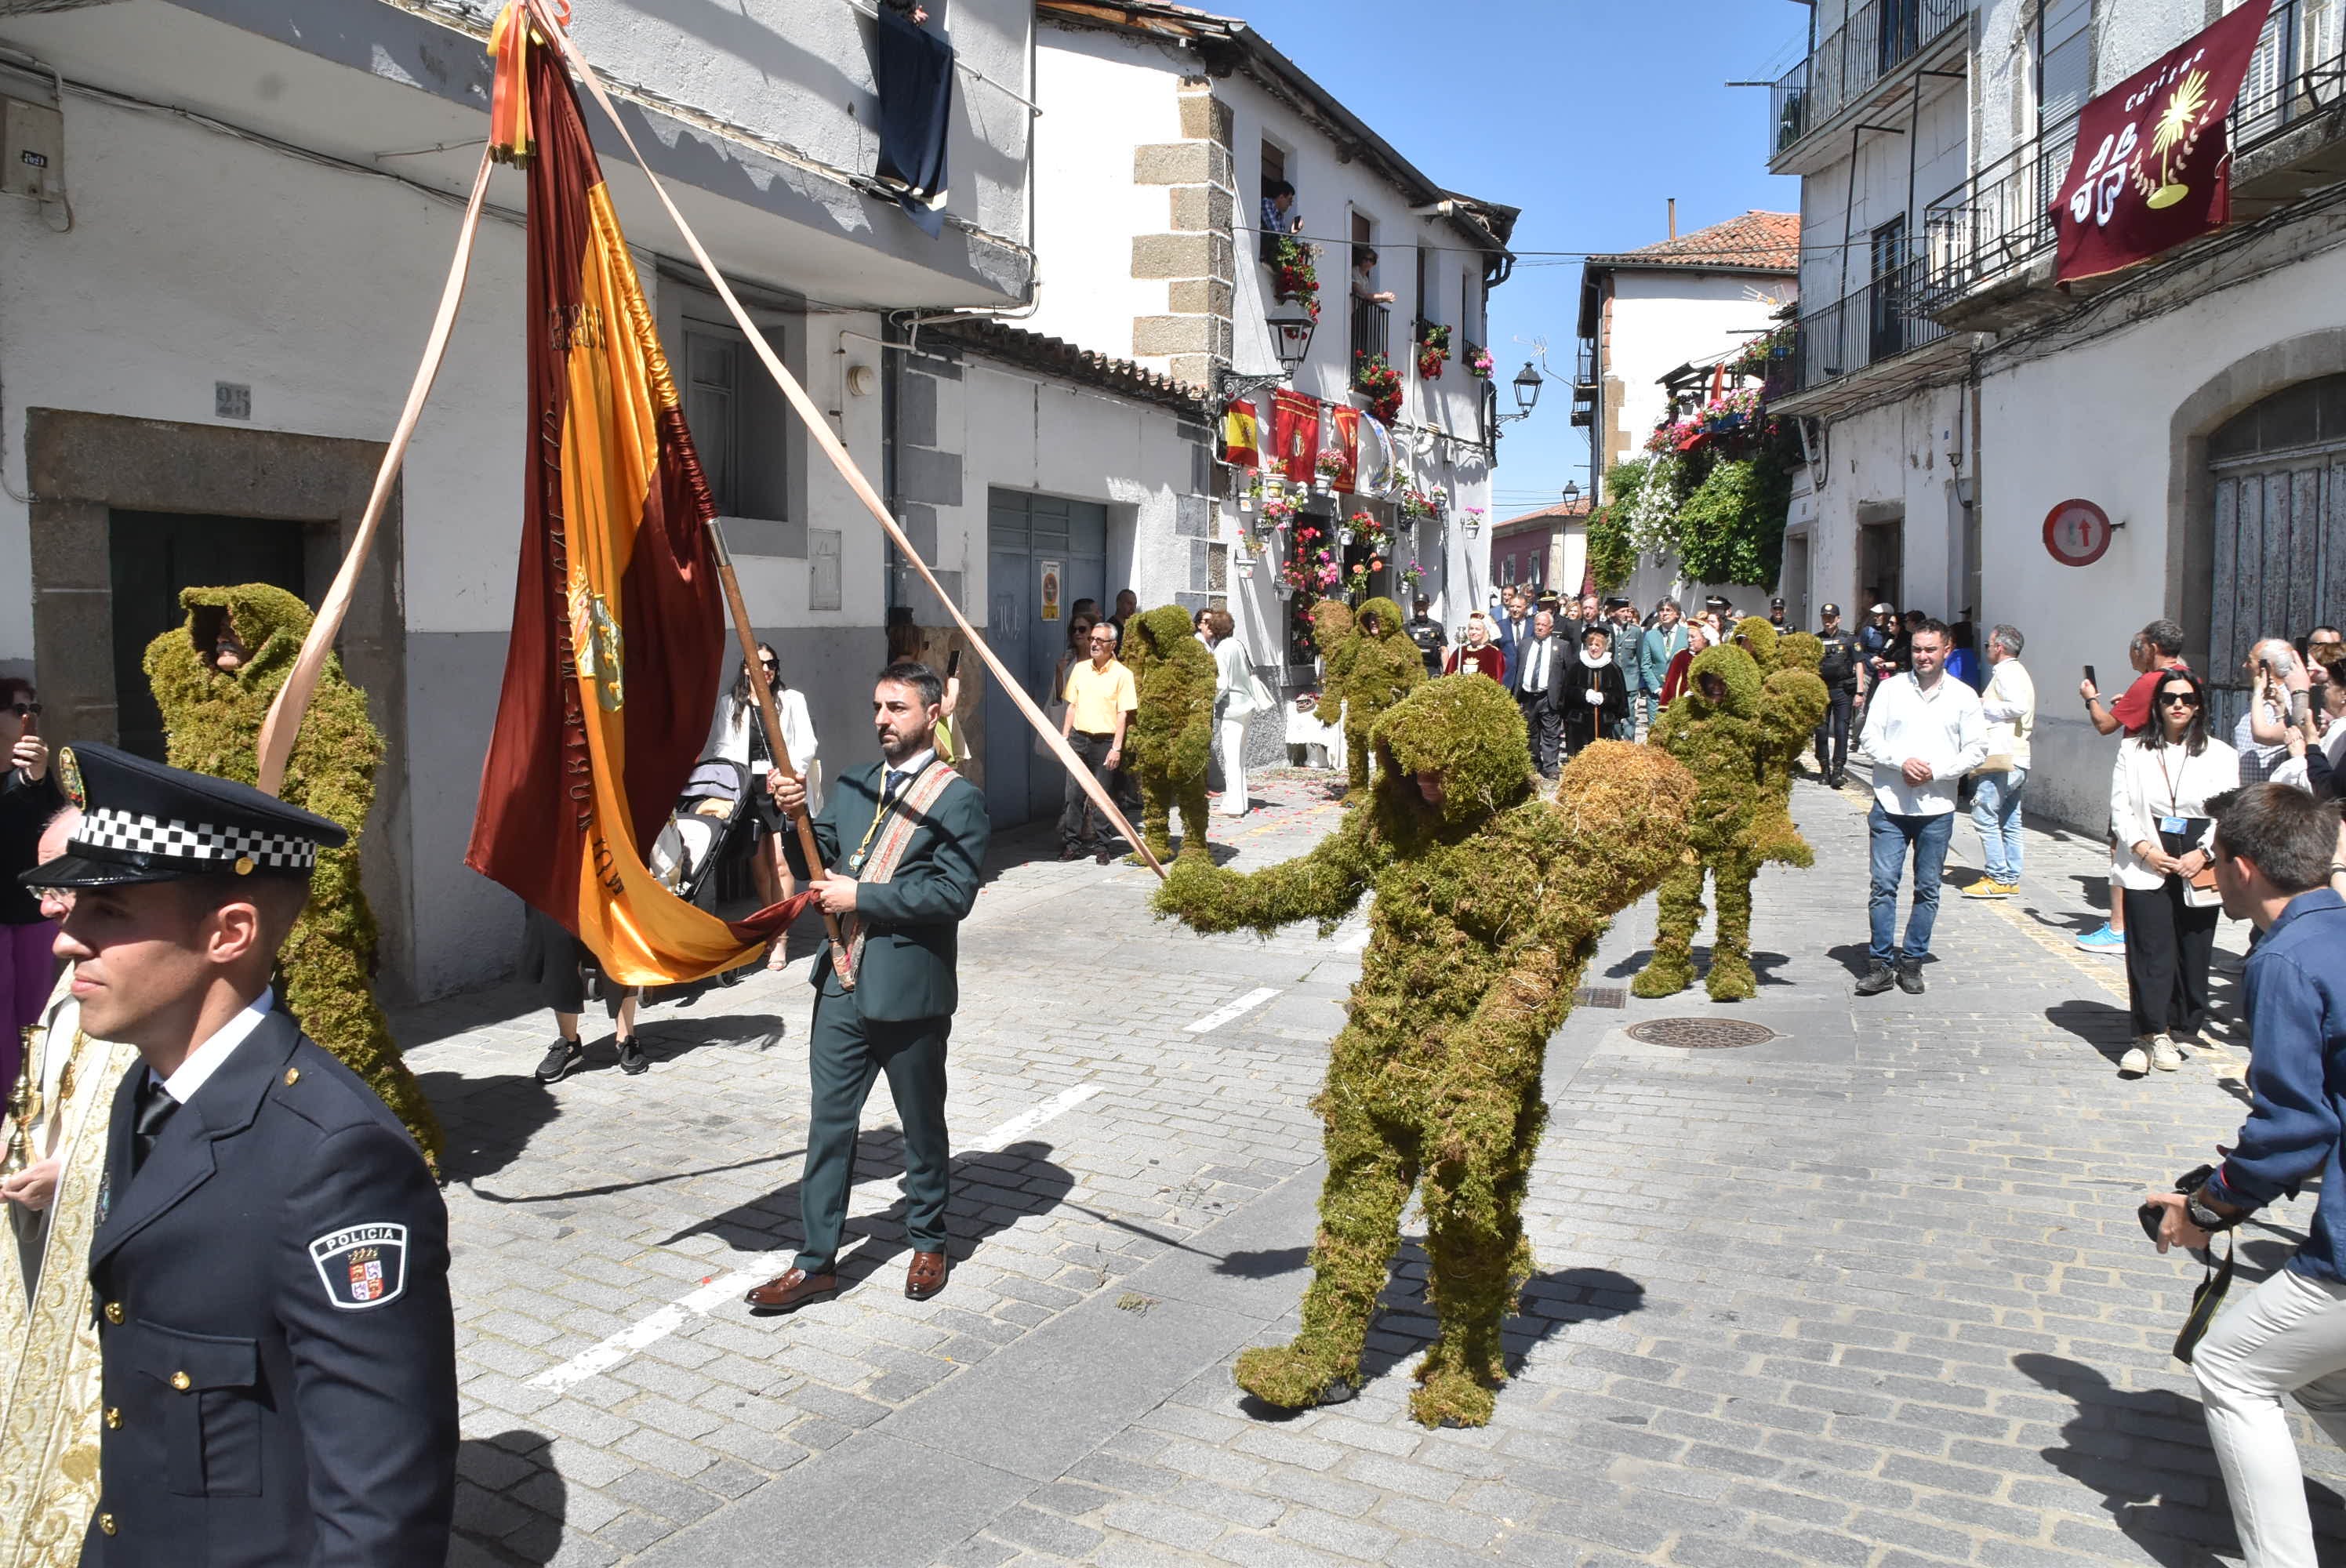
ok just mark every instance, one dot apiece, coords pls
pixel 1866 326
pixel 1877 37
pixel 2002 218
pixel 1372 327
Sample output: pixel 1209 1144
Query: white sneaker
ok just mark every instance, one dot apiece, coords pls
pixel 2135 1063
pixel 2164 1055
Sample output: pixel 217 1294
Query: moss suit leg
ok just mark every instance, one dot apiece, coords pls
pixel 1356 761
pixel 1478 1262
pixel 1192 802
pixel 1156 814
pixel 1731 979
pixel 1369 1175
pixel 1671 969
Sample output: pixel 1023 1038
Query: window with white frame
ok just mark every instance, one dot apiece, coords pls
pixel 738 420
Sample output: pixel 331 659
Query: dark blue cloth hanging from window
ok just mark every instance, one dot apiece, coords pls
pixel 913 70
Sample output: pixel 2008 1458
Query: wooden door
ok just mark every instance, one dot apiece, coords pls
pixel 154 555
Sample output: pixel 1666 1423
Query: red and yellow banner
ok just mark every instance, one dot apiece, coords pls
pixel 2153 164
pixel 1344 440
pixel 1294 434
pixel 1241 436
pixel 618 626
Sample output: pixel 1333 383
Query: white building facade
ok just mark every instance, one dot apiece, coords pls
pixel 208 319
pixel 1960 398
pixel 1685 303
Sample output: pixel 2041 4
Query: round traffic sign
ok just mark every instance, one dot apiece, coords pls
pixel 2077 533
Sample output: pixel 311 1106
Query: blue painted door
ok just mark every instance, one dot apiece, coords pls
pixel 1028 536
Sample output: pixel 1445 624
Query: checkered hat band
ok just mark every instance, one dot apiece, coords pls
pixel 118 830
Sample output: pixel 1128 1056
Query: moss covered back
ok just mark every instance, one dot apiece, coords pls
pixel 211 719
pixel 1379 665
pixel 1171 737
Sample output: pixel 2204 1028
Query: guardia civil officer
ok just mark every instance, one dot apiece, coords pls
pixel 907 838
pixel 271 1254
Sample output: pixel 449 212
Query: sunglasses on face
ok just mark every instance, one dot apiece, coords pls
pixel 2185 698
pixel 24 709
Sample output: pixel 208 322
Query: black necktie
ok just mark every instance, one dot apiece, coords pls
pixel 895 785
pixel 150 1110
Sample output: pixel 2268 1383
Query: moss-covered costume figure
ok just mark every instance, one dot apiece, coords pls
pixel 1489 904
pixel 1379 664
pixel 1793 702
pixel 214 680
pixel 1172 734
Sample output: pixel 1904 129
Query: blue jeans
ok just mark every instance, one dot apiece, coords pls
pixel 1889 837
pixel 1995 812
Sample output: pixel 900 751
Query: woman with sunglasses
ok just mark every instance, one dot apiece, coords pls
pixel 2159 791
pixel 28 799
pixel 739 737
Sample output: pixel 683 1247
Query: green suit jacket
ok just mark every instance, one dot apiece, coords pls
pixel 913 920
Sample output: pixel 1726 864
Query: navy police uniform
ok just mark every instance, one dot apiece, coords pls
pixel 272 1256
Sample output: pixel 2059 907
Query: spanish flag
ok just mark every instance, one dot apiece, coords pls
pixel 618 624
pixel 1241 436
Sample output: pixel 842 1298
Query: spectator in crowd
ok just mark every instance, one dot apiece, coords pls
pixel 1877 636
pixel 2009 705
pixel 1100 698
pixel 1083 610
pixel 1427 634
pixel 1239 695
pixel 1476 652
pixel 1079 649
pixel 1776 617
pixel 1128 605
pixel 1547 599
pixel 2159 791
pixel 2154 649
pixel 1624 636
pixel 2275 850
pixel 1364 277
pixel 1843 663
pixel 1963 659
pixel 556 962
pixel 739 735
pixel 2261 737
pixel 1925 732
pixel 1700 635
pixel 1541 655
pixel 28 799
pixel 1587 611
pixel 1591 694
pixel 1721 612
pixel 1279 216
pixel 1512 631
pixel 1658 648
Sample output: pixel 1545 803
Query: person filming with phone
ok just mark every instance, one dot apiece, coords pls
pixel 2276 852
pixel 28 799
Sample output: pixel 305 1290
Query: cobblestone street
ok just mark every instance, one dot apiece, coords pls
pixel 1870 1293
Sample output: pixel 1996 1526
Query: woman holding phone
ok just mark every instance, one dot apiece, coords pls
pixel 2159 791
pixel 28 799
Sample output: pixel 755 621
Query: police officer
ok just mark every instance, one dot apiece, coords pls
pixel 1433 644
pixel 1845 658
pixel 271 1254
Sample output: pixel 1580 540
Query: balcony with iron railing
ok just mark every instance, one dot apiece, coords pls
pixel 1990 245
pixel 1372 329
pixel 1868 326
pixel 1878 39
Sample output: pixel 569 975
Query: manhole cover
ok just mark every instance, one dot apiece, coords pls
pixel 1701 1033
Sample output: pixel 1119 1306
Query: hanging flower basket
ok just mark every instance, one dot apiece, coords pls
pixel 1375 379
pixel 1245 568
pixel 1472 519
pixel 1284 588
pixel 1432 349
pixel 1478 362
pixel 1296 267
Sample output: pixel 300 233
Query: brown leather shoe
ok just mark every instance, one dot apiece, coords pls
pixel 927 1275
pixel 789 1292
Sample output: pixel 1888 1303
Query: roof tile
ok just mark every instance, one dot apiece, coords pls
pixel 1760 241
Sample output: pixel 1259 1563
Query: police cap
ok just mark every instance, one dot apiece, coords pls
pixel 144 822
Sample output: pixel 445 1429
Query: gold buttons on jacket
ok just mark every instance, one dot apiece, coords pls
pixel 293 1076
pixel 181 1381
pixel 112 1419
pixel 114 1311
pixel 106 1524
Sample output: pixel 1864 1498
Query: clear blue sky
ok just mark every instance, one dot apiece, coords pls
pixel 1586 114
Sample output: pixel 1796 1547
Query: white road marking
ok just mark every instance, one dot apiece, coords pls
pixel 601 1358
pixel 1230 1009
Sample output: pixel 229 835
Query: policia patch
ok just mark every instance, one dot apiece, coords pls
pixel 361 1265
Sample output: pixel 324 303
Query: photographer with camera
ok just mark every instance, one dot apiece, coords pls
pixel 2276 850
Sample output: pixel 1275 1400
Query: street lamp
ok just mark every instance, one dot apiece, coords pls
pixel 1571 494
pixel 1527 390
pixel 1290 327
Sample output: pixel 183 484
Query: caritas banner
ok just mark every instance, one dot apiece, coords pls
pixel 2153 164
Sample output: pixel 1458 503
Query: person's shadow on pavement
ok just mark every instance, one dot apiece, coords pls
pixel 2106 1028
pixel 2148 1455
pixel 516 1472
pixel 488 1121
pixel 990 1191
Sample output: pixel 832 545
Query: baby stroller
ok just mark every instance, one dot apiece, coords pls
pixel 709 826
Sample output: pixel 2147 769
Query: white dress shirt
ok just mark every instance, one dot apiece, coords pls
pixel 205 1060
pixel 1538 652
pixel 1943 727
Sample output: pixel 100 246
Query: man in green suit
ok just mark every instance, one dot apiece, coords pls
pixel 904 841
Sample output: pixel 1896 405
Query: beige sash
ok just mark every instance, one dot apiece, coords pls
pixel 906 812
pixel 49 1387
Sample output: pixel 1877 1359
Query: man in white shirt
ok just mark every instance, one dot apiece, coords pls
pixel 1925 732
pixel 1535 672
pixel 2009 705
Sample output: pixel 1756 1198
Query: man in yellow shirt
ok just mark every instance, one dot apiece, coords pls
pixel 1100 698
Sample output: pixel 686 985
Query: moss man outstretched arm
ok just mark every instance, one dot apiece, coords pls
pixel 1325 885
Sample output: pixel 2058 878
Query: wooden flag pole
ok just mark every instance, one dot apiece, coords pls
pixel 283 721
pixel 820 430
pixel 771 718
